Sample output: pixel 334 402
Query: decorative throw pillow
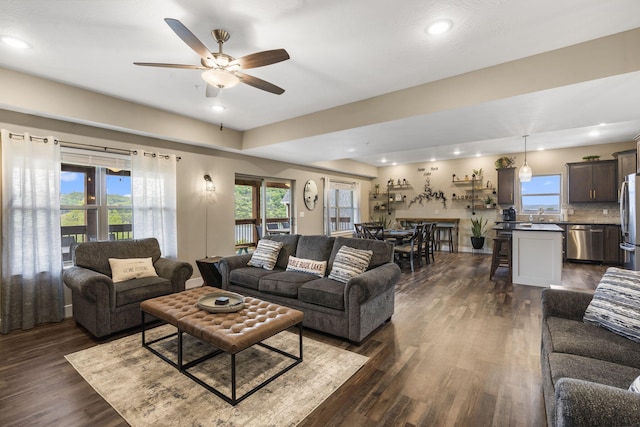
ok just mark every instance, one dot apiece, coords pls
pixel 616 303
pixel 266 254
pixel 348 263
pixel 131 268
pixel 310 266
pixel 635 386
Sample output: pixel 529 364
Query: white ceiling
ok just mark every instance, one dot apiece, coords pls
pixel 341 52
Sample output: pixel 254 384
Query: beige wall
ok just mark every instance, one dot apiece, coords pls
pixel 191 196
pixel 542 162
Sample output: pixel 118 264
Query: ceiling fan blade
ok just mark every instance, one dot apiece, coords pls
pixel 259 83
pixel 212 91
pixel 155 64
pixel 187 36
pixel 260 59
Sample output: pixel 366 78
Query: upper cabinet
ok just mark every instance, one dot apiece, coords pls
pixel 506 186
pixel 593 181
pixel 627 164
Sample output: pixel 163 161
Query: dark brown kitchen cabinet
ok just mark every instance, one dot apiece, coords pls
pixel 612 239
pixel 506 186
pixel 593 181
pixel 627 164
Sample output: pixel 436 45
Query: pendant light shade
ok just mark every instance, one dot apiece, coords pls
pixel 525 171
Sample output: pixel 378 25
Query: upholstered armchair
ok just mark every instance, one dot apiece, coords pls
pixel 103 306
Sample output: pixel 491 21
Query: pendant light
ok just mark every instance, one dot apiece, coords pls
pixel 525 170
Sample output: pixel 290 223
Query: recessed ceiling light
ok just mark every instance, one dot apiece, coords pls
pixel 540 148
pixel 15 43
pixel 594 133
pixel 457 152
pixel 602 124
pixel 383 161
pixel 218 108
pixel 394 164
pixel 478 154
pixel 439 27
pixel 433 159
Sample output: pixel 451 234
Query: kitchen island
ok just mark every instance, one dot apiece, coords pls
pixel 536 253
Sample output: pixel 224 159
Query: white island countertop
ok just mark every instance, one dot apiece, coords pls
pixel 524 226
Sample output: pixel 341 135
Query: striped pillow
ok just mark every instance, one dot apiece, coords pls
pixel 266 254
pixel 616 303
pixel 348 263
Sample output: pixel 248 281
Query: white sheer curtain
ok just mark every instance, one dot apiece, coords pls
pixel 32 289
pixel 153 182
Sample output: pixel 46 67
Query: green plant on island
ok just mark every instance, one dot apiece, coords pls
pixel 479 227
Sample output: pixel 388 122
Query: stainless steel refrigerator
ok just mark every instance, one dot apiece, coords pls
pixel 630 221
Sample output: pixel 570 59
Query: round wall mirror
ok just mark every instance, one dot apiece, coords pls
pixel 310 194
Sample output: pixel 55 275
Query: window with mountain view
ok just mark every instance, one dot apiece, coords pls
pixel 95 204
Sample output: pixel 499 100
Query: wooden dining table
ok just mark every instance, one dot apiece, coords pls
pixel 398 234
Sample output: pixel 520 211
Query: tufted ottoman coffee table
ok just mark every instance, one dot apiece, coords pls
pixel 230 333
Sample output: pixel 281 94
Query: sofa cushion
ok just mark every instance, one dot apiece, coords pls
pixel 616 303
pixel 309 266
pixel 315 247
pixel 348 263
pixel 131 268
pixel 249 277
pixel 266 254
pixel 289 245
pixel 583 339
pixel 324 292
pixel 593 370
pixel 138 290
pixel 285 283
pixel 382 251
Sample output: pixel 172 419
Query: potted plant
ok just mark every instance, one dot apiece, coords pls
pixel 505 162
pixel 478 231
pixel 488 202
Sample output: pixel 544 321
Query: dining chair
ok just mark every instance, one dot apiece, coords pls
pixel 429 242
pixel 412 247
pixel 375 232
pixel 357 231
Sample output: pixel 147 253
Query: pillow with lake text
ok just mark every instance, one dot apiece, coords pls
pixel 310 266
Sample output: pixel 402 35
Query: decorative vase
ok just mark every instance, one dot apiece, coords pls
pixel 477 242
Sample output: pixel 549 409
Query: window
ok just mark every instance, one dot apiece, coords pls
pixel 95 204
pixel 342 205
pixel 259 200
pixel 541 194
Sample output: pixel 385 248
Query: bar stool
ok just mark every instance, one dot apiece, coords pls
pixel 444 234
pixel 501 255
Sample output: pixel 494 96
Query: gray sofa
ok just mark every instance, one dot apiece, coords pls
pixel 104 307
pixel 352 310
pixel 586 369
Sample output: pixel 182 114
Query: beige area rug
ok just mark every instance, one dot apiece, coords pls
pixel 146 390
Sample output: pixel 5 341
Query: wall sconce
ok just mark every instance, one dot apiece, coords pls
pixel 209 183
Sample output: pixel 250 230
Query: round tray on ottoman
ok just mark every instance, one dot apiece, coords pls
pixel 234 302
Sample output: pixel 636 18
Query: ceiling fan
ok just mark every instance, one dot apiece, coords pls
pixel 222 70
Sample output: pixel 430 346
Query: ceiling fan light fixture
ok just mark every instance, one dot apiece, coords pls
pixel 220 78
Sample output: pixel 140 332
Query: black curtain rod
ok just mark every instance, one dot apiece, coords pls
pixel 90 147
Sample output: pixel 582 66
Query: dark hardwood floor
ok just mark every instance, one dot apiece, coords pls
pixel 460 351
